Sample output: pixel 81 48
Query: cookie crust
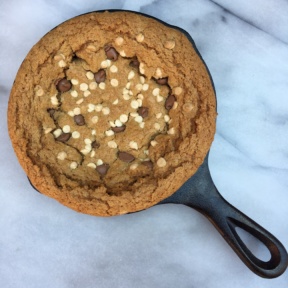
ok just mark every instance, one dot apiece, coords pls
pixel 167 139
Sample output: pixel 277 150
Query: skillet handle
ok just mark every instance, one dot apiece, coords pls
pixel 226 218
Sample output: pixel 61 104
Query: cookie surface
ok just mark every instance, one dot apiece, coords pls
pixel 111 113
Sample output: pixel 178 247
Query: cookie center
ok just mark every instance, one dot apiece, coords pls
pixel 111 114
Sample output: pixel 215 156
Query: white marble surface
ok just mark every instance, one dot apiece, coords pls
pixel 245 45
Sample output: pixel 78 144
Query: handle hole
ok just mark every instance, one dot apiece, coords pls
pixel 254 245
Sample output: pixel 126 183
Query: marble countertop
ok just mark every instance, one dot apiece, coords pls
pixel 245 45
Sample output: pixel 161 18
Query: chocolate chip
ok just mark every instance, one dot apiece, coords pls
pixel 51 111
pixel 134 63
pixel 148 164
pixel 100 76
pixel 162 81
pixel 79 120
pixel 64 137
pixel 143 111
pixel 170 101
pixel 102 169
pixel 95 145
pixel 125 157
pixel 63 85
pixel 111 53
pixel 118 129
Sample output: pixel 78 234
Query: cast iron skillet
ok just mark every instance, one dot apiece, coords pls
pixel 200 193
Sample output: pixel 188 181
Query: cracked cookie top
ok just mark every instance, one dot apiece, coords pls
pixel 111 113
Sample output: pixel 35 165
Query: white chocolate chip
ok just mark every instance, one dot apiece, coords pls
pixel 122 53
pixel 59 57
pixel 98 107
pixel 188 107
pixel 91 107
pixel 145 87
pixel 159 98
pixel 114 82
pixel 114 69
pixel 112 124
pixel 92 85
pixel 99 162
pixel 74 81
pixel 153 143
pixel 140 96
pixel 118 123
pixel 138 119
pixel 112 144
pixel 84 86
pixel 157 126
pixel 139 102
pixel 130 92
pixel 169 44
pixel 115 102
pixel 134 166
pixel 84 151
pixel 77 111
pixel 94 119
pixel 125 91
pixel 90 75
pixel 86 93
pixel 102 85
pixel 71 113
pixel 158 115
pixel 61 155
pixel 123 118
pixel 131 75
pixel 75 134
pixel 47 130
pixel 57 133
pixel 109 133
pixel 92 153
pixel 87 141
pixel 93 132
pixel 134 104
pixel 66 128
pixel 133 145
pixel 74 93
pixel 139 86
pixel 128 85
pixel 156 91
pixel 161 162
pixel 79 101
pixel 88 147
pixel 171 131
pixel 158 73
pixel 106 63
pixel 126 97
pixel 39 91
pixel 141 68
pixel 73 165
pixel 140 37
pixel 175 105
pixel 166 118
pixel 119 41
pixel 142 124
pixel 91 48
pixel 61 63
pixel 106 111
pixel 178 91
pixel 91 165
pixel 134 114
pixel 142 79
pixel 54 100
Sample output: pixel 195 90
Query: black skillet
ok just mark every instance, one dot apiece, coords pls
pixel 200 193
